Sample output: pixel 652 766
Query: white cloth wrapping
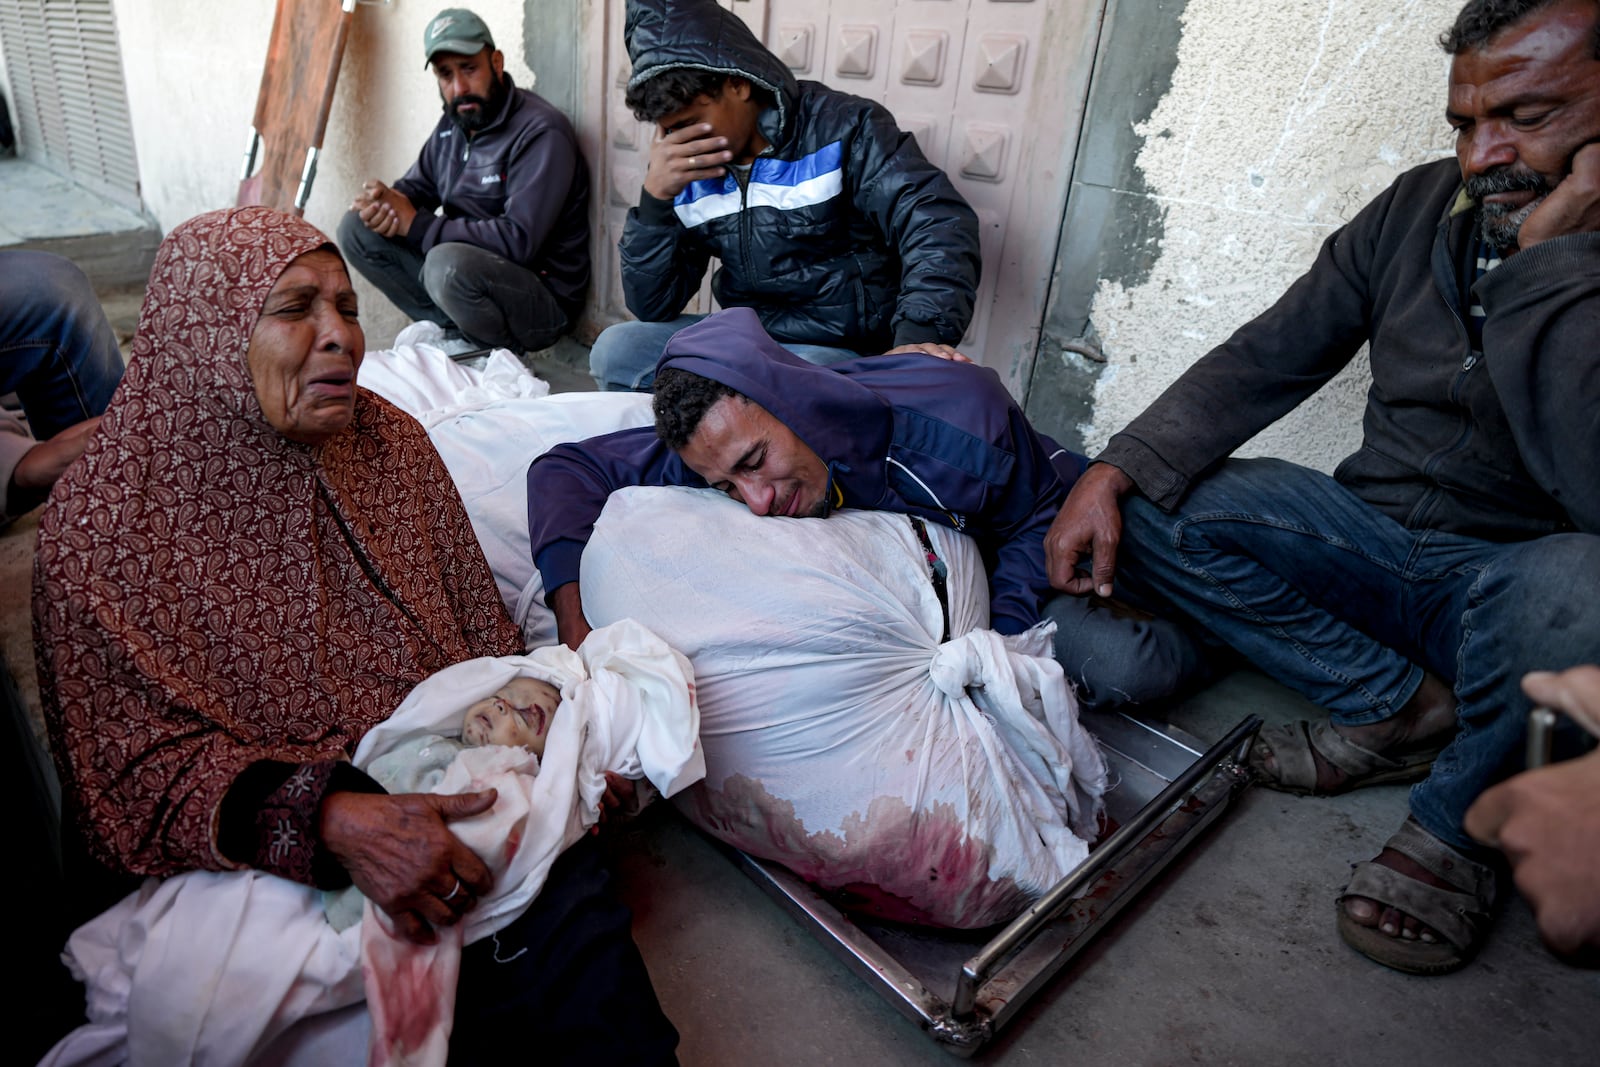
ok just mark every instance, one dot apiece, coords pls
pixel 488 425
pixel 946 784
pixel 217 968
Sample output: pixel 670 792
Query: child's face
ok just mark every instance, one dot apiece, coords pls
pixel 519 714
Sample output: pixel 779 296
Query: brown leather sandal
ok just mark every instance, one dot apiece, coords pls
pixel 1459 917
pixel 1291 746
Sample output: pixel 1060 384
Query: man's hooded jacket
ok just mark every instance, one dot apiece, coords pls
pixel 843 234
pixel 912 434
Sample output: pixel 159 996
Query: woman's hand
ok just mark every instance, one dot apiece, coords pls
pixel 400 853
pixel 48 460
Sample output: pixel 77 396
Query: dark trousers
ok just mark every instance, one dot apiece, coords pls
pixel 564 984
pixel 489 299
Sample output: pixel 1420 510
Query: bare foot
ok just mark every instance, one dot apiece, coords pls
pixel 1429 715
pixel 1388 920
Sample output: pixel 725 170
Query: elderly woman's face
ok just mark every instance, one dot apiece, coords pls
pixel 305 350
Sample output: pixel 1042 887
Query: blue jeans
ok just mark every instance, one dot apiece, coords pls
pixel 1348 607
pixel 57 351
pixel 624 355
pixel 1118 656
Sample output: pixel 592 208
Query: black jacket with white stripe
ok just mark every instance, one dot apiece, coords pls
pixel 843 235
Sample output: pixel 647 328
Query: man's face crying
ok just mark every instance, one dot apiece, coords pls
pixel 742 449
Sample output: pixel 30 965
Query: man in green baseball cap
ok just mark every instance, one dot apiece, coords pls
pixel 487 234
pixel 455 30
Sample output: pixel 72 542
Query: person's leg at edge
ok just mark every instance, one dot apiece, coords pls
pixel 563 984
pixel 1117 655
pixel 493 301
pixel 57 351
pixel 624 356
pixel 1299 576
pixel 1528 606
pixel 392 267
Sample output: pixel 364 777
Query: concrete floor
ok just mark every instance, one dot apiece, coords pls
pixel 1231 957
pixel 113 244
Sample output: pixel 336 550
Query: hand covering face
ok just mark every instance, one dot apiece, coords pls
pixel 209 594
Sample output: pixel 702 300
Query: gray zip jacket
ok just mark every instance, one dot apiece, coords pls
pixel 1502 444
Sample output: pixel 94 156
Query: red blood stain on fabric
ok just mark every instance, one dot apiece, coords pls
pixel 412 999
pixel 893 862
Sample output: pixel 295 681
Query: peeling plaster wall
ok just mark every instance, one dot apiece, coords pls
pixel 1282 121
pixel 193 71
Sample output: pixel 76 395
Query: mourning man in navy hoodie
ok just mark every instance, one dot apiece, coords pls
pixel 488 232
pixel 911 433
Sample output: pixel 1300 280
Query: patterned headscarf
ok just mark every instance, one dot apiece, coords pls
pixel 209 594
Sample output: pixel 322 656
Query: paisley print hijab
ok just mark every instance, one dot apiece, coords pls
pixel 208 593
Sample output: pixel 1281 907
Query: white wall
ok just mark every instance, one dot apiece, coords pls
pixel 193 71
pixel 1283 119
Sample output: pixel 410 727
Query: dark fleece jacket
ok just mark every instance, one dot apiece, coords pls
pixel 1499 444
pixel 519 188
pixel 911 434
pixel 844 234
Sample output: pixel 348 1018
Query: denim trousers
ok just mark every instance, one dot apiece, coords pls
pixel 624 355
pixel 1348 607
pixel 1121 655
pixel 57 351
pixel 489 299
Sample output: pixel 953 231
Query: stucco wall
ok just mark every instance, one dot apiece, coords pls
pixel 1283 119
pixel 193 71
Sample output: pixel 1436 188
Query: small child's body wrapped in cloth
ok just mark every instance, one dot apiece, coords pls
pixel 534 732
pixel 517 715
pixel 218 966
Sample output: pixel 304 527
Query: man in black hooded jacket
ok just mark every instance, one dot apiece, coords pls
pixel 828 220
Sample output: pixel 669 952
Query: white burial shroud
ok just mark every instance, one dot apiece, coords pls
pixel 219 968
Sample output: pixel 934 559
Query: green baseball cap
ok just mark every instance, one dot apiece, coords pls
pixel 457 30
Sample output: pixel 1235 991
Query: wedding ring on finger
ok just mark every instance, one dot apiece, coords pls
pixel 692 162
pixel 448 897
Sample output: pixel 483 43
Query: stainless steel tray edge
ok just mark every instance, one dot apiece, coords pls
pixel 1003 975
pixel 1058 941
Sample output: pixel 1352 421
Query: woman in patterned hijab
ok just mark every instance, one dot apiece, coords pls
pixel 251 566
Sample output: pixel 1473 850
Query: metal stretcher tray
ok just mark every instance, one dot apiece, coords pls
pixel 962 989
